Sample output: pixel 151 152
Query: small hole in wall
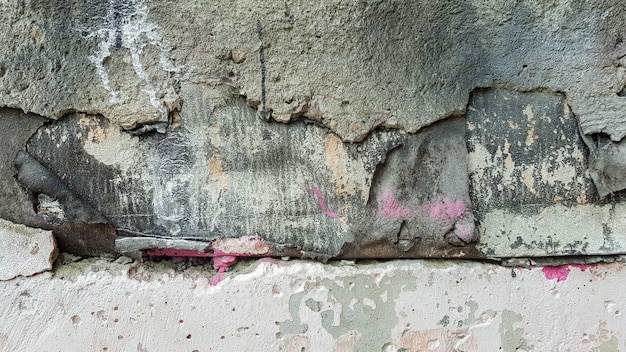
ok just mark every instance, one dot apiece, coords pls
pixel 3 71
pixel 189 337
pixel 622 93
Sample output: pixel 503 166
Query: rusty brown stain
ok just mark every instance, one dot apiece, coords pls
pixel 347 342
pixel 216 172
pixel 430 340
pixel 336 156
pixel 295 343
pixel 95 133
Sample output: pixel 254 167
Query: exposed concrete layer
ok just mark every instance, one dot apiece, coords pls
pixel 306 193
pixel 225 173
pixel 353 66
pixel 24 251
pixel 530 187
pixel 301 306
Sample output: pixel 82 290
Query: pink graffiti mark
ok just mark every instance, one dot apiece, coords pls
pixel 224 252
pixel 320 202
pixel 389 207
pixel 222 265
pixel 561 272
pixel 446 209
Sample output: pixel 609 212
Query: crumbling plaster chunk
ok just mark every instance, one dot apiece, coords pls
pixel 25 250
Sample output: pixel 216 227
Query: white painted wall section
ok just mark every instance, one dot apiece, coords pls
pixel 273 305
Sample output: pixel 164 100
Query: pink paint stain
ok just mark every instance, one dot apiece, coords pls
pixel 224 252
pixel 222 265
pixel 320 202
pixel 389 207
pixel 464 231
pixel 561 272
pixel 447 209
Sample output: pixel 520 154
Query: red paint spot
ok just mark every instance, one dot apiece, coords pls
pixel 389 207
pixel 581 267
pixel 561 272
pixel 320 202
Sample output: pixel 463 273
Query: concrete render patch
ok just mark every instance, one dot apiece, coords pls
pixel 273 305
pixel 351 66
pixel 530 187
pixel 25 251
pixel 554 231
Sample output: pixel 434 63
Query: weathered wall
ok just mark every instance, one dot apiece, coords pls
pixel 372 129
pixel 273 305
pixel 207 131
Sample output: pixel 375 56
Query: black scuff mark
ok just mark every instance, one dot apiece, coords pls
pixel 609 243
pixel 263 112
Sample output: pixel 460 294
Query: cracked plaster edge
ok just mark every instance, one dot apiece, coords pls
pixel 502 229
pixel 142 244
pixel 400 127
pixel 27 233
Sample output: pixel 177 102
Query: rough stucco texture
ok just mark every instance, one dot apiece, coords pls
pixel 271 305
pixel 353 66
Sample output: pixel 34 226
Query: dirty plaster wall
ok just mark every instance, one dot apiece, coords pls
pixel 210 131
pixel 274 305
